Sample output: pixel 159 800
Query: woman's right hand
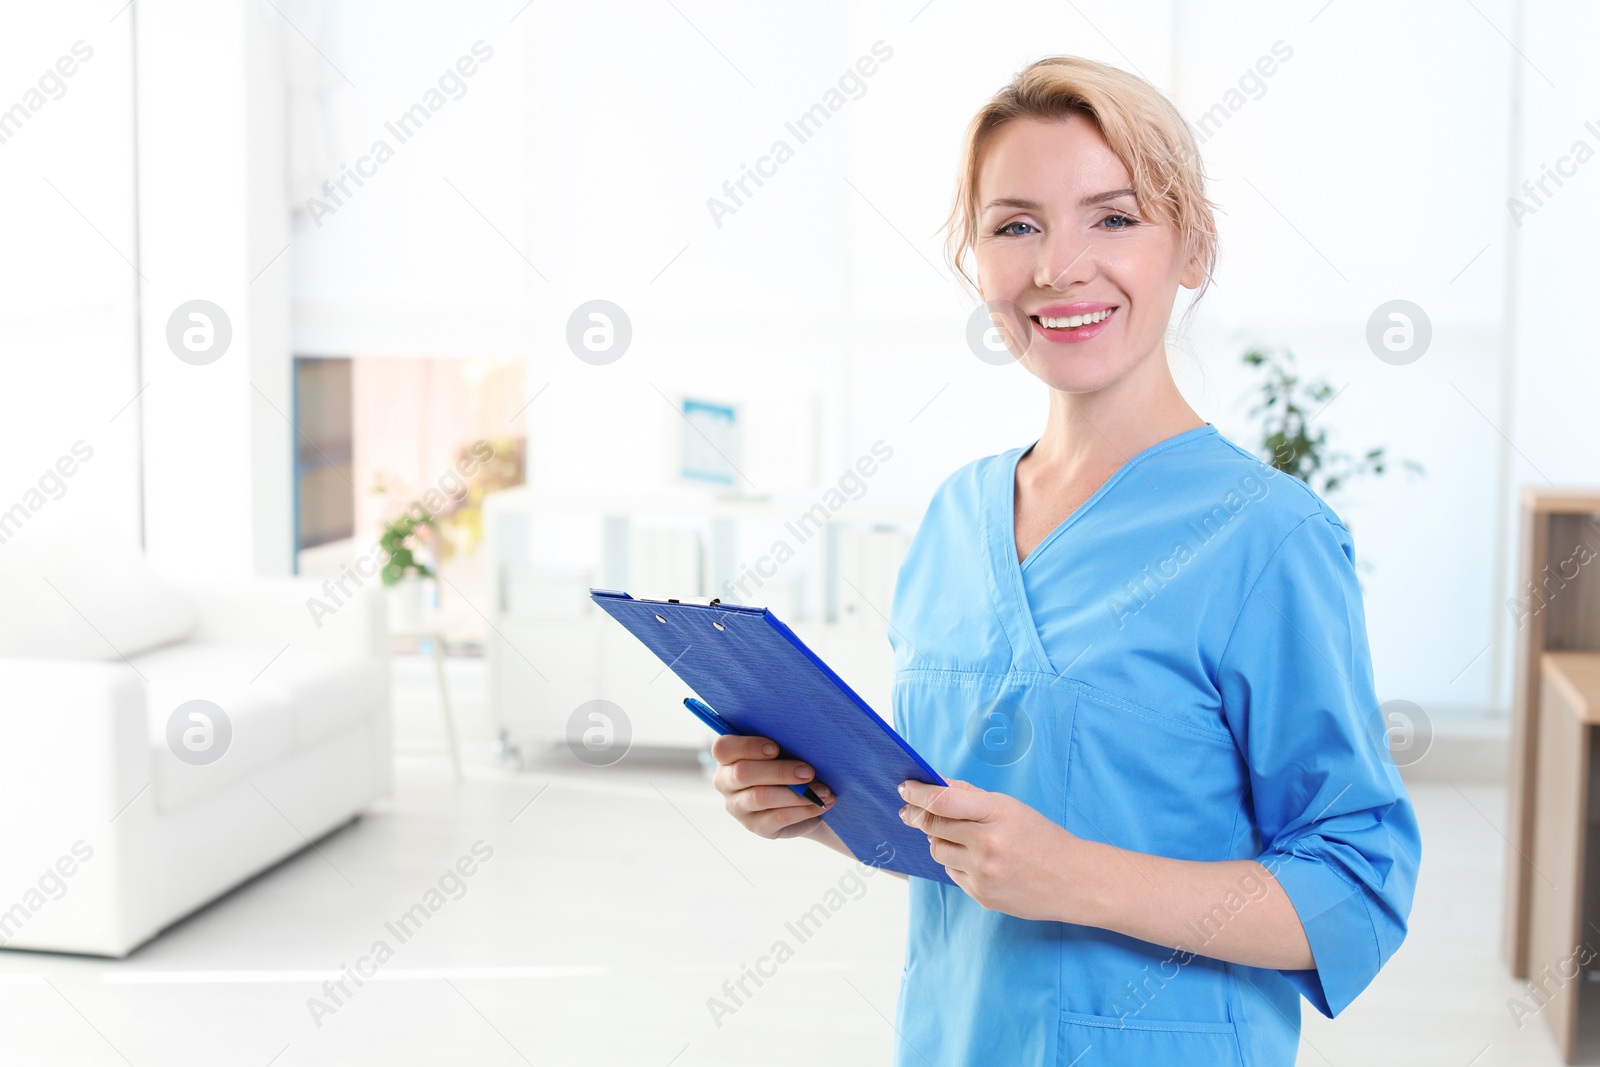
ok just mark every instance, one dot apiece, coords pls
pixel 754 785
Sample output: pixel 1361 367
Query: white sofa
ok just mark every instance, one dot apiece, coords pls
pixel 109 836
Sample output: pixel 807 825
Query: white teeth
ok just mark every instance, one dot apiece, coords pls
pixel 1075 320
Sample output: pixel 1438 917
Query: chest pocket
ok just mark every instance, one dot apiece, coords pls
pixel 1152 782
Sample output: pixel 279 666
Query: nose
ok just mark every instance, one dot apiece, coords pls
pixel 1062 263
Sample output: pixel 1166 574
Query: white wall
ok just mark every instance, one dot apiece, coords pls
pixel 1369 166
pixel 425 255
pixel 1550 415
pixel 213 225
pixel 110 231
pixel 1374 165
pixel 68 289
pixel 1373 168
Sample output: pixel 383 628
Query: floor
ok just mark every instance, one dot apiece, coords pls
pixel 607 908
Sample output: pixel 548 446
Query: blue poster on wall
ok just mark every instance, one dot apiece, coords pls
pixel 710 442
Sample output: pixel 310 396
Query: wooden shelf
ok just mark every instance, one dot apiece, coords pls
pixel 1552 891
pixel 1577 675
pixel 1567 501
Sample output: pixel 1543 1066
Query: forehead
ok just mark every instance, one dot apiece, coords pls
pixel 1048 161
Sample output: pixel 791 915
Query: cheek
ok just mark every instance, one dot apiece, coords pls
pixel 1003 267
pixel 1145 268
pixel 1142 282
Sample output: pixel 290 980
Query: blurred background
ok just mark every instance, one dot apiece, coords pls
pixel 346 345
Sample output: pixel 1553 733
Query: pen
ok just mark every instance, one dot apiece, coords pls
pixel 703 712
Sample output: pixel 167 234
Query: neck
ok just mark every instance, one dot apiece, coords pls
pixel 1105 428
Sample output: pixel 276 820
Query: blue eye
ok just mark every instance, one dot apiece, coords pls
pixel 1131 222
pixel 1002 230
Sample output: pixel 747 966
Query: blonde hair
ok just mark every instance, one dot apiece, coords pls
pixel 1142 127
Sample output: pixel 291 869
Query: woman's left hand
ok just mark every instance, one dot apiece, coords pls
pixel 1003 853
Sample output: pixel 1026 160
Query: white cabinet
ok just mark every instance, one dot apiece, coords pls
pixel 550 650
pixel 542 670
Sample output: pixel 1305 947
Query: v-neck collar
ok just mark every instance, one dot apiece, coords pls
pixel 1016 455
pixel 999 520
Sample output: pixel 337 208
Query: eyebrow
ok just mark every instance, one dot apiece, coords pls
pixel 1030 205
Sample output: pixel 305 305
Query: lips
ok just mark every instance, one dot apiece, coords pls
pixel 1063 314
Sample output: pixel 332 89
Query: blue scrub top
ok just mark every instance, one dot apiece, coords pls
pixel 1180 668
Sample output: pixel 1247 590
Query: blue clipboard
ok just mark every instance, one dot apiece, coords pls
pixel 762 680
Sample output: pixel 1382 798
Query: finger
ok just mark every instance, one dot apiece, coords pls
pixel 729 748
pixel 772 772
pixel 761 798
pixel 959 831
pixel 779 822
pixel 951 801
pixel 955 859
pixel 743 774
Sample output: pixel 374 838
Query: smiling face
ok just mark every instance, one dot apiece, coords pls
pixel 1062 239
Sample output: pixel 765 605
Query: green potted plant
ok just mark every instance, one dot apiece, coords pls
pixel 404 575
pixel 1290 444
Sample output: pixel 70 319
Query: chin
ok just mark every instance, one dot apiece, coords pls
pixel 1073 375
pixel 1077 383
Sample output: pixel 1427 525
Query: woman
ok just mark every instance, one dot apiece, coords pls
pixel 1138 653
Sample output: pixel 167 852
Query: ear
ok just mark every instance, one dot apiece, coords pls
pixel 1193 275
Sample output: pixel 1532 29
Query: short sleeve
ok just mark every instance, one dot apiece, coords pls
pixel 1337 829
